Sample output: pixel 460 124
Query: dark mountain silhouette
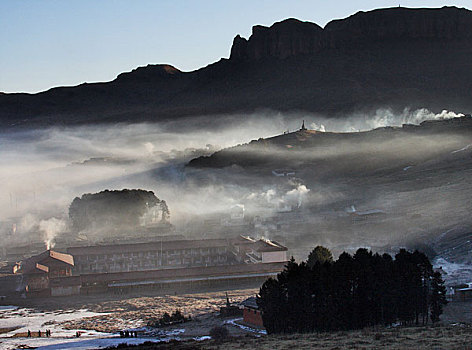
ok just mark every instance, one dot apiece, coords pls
pixel 393 58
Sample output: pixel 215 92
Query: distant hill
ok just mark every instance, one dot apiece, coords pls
pixel 354 153
pixel 393 58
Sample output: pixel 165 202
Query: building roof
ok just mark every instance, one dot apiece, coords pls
pixel 268 246
pixel 41 263
pixel 250 302
pixel 184 273
pixel 240 240
pixel 369 212
pixel 149 246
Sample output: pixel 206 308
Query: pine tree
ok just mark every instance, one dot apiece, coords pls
pixel 438 296
pixel 319 255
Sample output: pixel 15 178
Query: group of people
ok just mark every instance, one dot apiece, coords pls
pixel 128 334
pixel 47 333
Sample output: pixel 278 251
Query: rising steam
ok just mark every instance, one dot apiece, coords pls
pixel 50 229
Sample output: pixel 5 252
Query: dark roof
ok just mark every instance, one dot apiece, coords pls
pixel 260 245
pixel 191 272
pixel 250 302
pixel 268 246
pixel 240 240
pixel 41 263
pixel 149 246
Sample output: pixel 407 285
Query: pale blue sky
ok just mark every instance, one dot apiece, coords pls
pixel 47 43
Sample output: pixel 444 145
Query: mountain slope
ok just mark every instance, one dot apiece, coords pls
pixel 383 58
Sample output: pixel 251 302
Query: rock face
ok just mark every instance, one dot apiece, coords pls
pixel 292 37
pixel 391 58
pixel 288 38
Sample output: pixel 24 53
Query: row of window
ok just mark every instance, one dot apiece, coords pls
pixel 125 266
pixel 201 251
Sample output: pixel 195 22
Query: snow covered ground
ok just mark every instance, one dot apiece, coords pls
pixel 456 273
pixel 21 320
pixel 236 322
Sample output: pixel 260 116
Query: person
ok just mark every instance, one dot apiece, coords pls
pixel 39 334
pixel 29 333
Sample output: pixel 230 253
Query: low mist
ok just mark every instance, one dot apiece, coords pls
pixel 43 170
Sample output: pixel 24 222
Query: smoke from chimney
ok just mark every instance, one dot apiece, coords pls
pixel 51 228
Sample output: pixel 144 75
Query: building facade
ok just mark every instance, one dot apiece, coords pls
pixel 150 256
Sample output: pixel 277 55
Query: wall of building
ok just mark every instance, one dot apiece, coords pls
pixel 463 295
pixel 252 317
pixel 65 291
pixel 37 282
pixel 148 260
pixel 269 257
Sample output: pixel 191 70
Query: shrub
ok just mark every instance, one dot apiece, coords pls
pixel 219 333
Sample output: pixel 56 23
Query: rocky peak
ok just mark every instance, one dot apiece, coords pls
pixel 149 72
pixel 283 39
pixel 293 37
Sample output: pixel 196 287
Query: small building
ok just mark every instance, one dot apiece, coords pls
pixel 39 270
pixel 463 293
pixel 259 251
pixel 283 172
pixel 264 251
pixel 367 214
pixel 252 315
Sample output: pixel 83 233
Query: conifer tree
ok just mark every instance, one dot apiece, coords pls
pixel 320 255
pixel 438 296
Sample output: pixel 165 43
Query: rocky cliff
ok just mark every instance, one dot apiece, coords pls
pixel 390 58
pixel 292 37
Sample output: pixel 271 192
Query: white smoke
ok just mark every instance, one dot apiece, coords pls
pixel 381 118
pixel 296 195
pixel 320 127
pixel 385 117
pixel 51 228
pixel 28 222
pixel 290 199
pixel 150 148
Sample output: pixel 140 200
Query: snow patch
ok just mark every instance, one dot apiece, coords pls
pixel 235 322
pixel 462 149
pixel 456 273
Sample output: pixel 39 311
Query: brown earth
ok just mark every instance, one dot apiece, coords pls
pixel 135 312
pixel 444 337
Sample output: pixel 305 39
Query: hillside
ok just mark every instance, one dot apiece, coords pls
pixel 384 147
pixel 393 58
pixel 389 187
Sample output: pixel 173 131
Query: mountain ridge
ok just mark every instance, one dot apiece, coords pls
pixel 385 58
pixel 279 40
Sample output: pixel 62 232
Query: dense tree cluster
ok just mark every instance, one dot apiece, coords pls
pixel 352 292
pixel 122 208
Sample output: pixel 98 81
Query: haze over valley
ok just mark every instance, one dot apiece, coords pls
pixel 353 135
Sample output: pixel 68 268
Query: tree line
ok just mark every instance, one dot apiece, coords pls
pixel 353 292
pixel 120 208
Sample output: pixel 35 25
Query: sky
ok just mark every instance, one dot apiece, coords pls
pixel 48 43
